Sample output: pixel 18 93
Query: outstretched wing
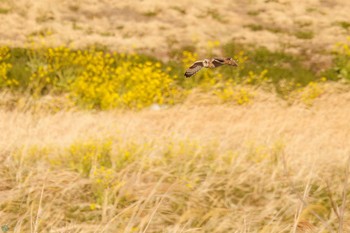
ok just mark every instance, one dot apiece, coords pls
pixel 224 61
pixel 218 61
pixel 194 68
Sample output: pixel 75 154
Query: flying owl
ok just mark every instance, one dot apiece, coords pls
pixel 209 63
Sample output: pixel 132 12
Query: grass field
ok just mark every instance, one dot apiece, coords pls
pixel 267 167
pixel 102 133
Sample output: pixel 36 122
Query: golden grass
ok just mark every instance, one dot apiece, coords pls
pixel 157 26
pixel 259 164
pixel 262 167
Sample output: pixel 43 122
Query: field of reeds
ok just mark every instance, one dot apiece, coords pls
pixel 99 138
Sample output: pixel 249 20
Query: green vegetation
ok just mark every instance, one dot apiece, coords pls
pixel 97 78
pixel 279 68
pixel 254 12
pixel 255 27
pixel 305 35
pixel 341 63
pixel 344 24
pixel 152 13
pixel 93 78
pixel 4 10
pixel 259 27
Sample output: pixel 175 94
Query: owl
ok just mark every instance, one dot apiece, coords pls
pixel 209 63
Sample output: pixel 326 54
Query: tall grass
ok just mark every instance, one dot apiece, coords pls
pixel 253 164
pixel 195 169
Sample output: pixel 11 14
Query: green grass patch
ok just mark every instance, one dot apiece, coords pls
pixel 4 11
pixel 305 35
pixel 254 12
pixel 152 13
pixel 280 65
pixel 344 24
pixel 254 27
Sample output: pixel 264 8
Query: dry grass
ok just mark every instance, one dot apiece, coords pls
pixel 163 26
pixel 191 168
pixel 268 166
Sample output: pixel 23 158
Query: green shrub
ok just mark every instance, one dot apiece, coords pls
pixel 341 68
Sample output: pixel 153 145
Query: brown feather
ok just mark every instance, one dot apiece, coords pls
pixel 194 68
pixel 213 63
pixel 218 62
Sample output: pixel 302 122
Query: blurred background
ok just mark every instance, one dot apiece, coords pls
pixel 158 27
pixel 101 132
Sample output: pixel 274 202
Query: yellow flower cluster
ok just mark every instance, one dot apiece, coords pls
pixel 311 92
pixel 100 79
pixel 343 48
pixel 211 45
pixel 343 59
pixel 188 58
pixel 88 156
pixel 126 82
pixel 5 67
pixel 257 79
pixel 236 91
pixel 55 69
pixel 230 91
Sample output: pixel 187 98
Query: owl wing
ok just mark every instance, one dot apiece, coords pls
pixel 194 68
pixel 218 61
pixel 224 61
